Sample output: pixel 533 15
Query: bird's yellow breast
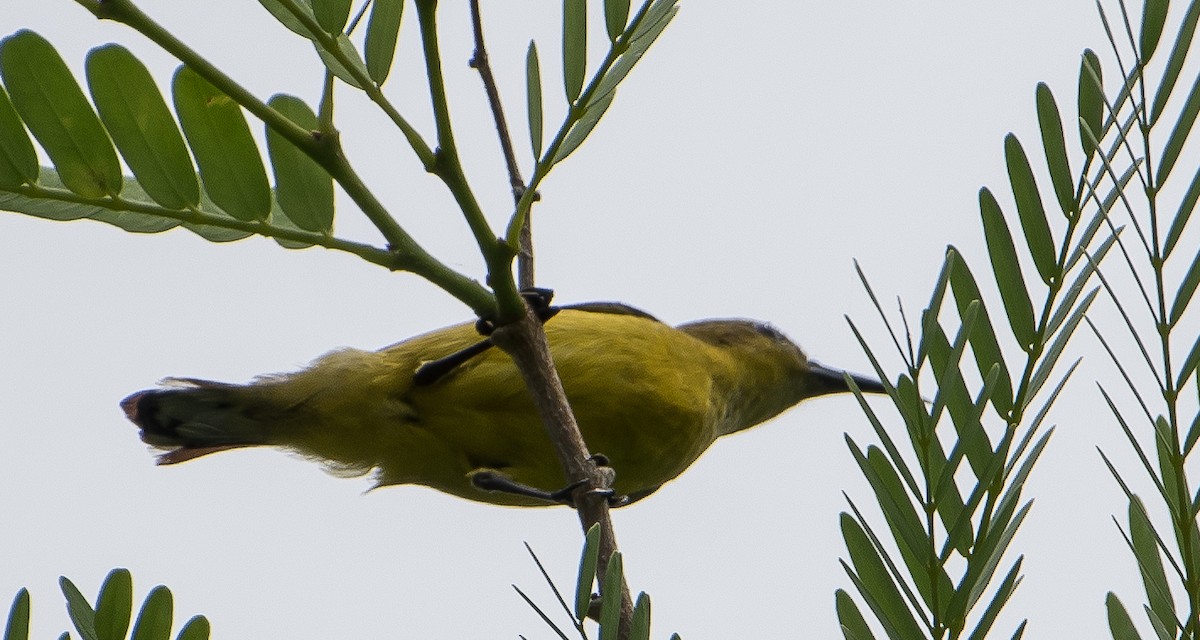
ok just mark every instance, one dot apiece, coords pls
pixel 642 393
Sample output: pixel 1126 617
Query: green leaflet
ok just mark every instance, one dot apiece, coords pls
pixel 331 14
pixel 854 627
pixel 18 160
pixel 533 99
pixel 574 47
pixel 1091 100
pixel 1007 270
pixel 610 598
pixel 225 152
pixel 154 620
pixel 616 15
pixel 140 124
pixel 17 627
pixel 1055 147
pixel 304 189
pixel 1029 209
pixel 383 30
pixel 48 99
pixel 588 561
pixel 114 605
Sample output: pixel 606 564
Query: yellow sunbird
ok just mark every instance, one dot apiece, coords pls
pixel 651 398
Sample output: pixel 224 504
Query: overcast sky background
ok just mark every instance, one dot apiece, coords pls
pixel 756 151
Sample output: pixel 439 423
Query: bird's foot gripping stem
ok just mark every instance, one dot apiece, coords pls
pixel 492 480
pixel 434 370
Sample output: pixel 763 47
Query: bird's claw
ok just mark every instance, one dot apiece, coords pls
pixel 491 480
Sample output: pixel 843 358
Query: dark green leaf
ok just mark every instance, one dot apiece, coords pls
pixel 1145 550
pixel 279 219
pixel 610 598
pixel 1186 291
pixel 1055 146
pixel 1179 134
pixel 1017 482
pixel 905 525
pixel 1067 303
pixel 1003 593
pixel 45 94
pixel 1030 210
pixel 574 47
pixel 1189 364
pixel 348 66
pixel 1137 448
pixel 1007 270
pixel 59 204
pixel 196 629
pixel 1119 623
pixel 983 340
pixel 1050 355
pixel 652 25
pixel 331 14
pixel 383 30
pixel 140 124
pixel 1186 206
pixel 114 605
pixel 1160 628
pixel 579 132
pixel 980 572
pixel 1154 16
pixel 639 627
pixel 304 189
pixel 1091 99
pixel 587 572
pixel 936 298
pixel 1183 44
pixel 652 16
pixel 17 627
pixel 1175 494
pixel 18 160
pixel 906 399
pixel 81 613
pixel 854 627
pixel 533 98
pixel 904 403
pixel 952 391
pixel 287 18
pixel 876 583
pixel 1193 435
pixel 616 15
pixel 154 620
pixel 225 152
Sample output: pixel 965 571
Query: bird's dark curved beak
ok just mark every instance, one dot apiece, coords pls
pixel 830 380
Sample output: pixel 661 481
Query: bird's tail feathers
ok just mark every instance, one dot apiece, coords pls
pixel 189 418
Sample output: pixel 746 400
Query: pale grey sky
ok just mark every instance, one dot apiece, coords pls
pixel 756 151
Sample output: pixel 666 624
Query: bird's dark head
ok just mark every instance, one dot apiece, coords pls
pixel 772 373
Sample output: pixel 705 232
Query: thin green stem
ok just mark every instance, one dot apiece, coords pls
pixel 468 291
pixel 371 253
pixel 497 254
pixel 324 148
pixel 575 112
pixel 329 44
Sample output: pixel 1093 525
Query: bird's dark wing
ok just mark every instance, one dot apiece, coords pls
pixel 435 370
pixel 617 308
